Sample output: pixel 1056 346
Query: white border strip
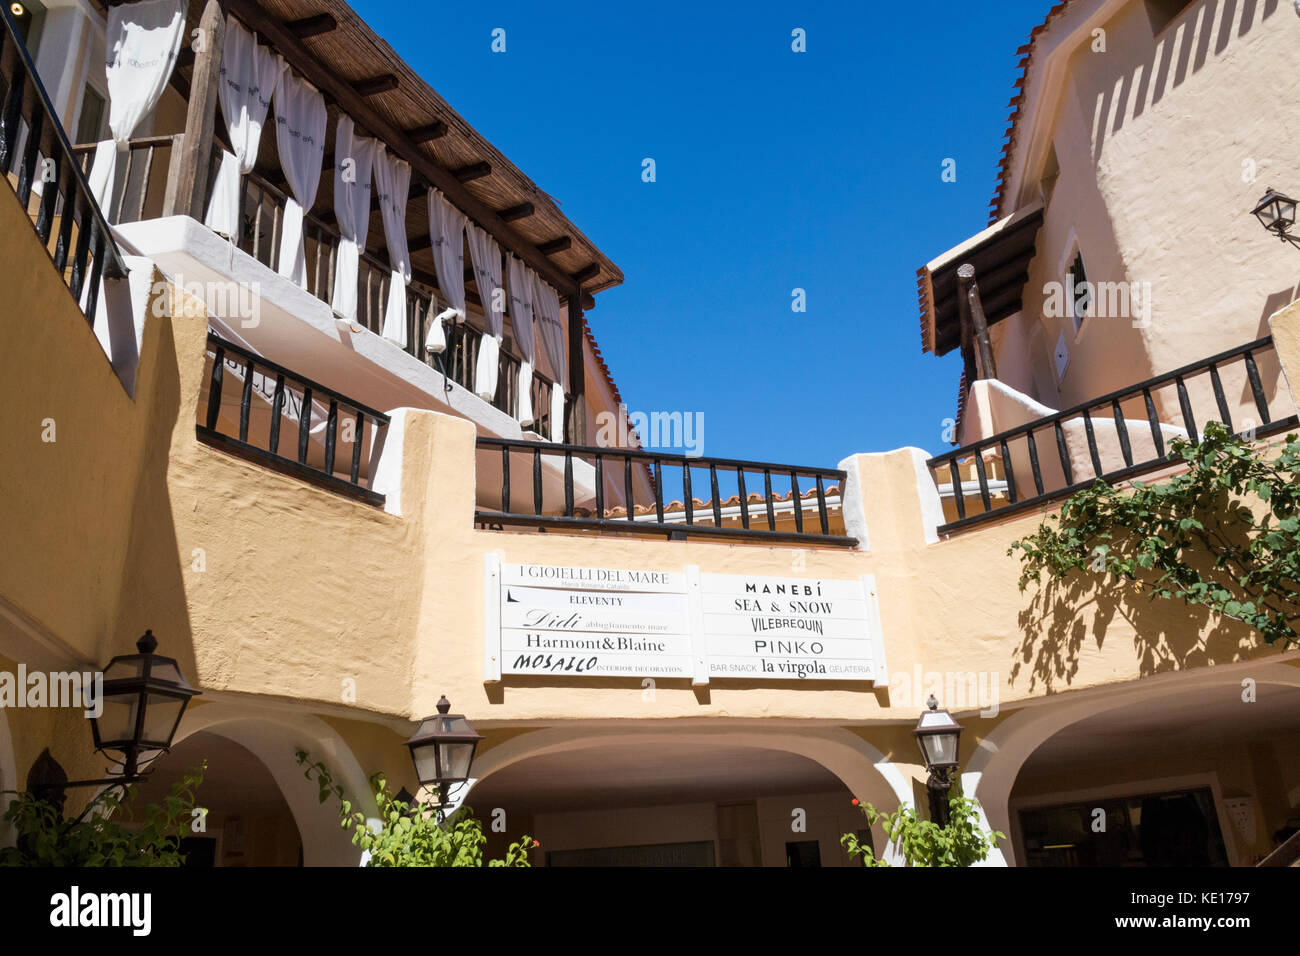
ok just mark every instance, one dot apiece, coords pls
pixel 492 619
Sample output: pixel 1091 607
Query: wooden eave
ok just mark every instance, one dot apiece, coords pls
pixel 1001 255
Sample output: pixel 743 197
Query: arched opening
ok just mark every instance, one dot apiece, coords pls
pixel 683 799
pixel 1196 771
pixel 249 822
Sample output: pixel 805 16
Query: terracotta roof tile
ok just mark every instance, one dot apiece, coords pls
pixel 1026 54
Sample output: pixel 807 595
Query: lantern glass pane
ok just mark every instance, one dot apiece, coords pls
pixel 132 666
pixel 941 748
pixel 456 760
pixel 166 670
pixel 117 722
pixel 1286 211
pixel 426 766
pixel 160 718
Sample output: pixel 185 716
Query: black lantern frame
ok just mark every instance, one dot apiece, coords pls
pixel 1276 212
pixel 152 681
pixel 933 724
pixel 149 680
pixel 433 741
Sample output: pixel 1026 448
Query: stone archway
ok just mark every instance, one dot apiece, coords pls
pixel 861 769
pixel 274 737
pixel 994 767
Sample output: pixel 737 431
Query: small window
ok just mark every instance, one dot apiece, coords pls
pixel 803 853
pixel 91 119
pixel 1079 292
pixel 1051 171
pixel 1161 13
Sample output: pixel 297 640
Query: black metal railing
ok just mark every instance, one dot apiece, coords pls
pixel 270 394
pixel 66 213
pixel 616 468
pixel 1028 466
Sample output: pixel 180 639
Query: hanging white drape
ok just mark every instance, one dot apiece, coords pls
pixel 354 157
pixel 447 231
pixel 393 184
pixel 486 255
pixel 300 138
pixel 550 326
pixel 521 285
pixel 144 39
pixel 249 76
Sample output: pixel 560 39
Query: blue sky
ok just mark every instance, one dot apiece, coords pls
pixel 775 170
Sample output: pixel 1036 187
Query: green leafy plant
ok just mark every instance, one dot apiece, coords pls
pixel 100 836
pixel 923 842
pixel 1224 534
pixel 407 834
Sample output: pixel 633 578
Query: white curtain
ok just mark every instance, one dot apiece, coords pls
pixel 521 280
pixel 144 39
pixel 393 182
pixel 486 255
pixel 249 76
pixel 300 138
pixel 352 210
pixel 546 308
pixel 447 230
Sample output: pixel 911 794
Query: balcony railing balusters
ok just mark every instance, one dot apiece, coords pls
pixel 1010 472
pixel 627 489
pixel 740 489
pixel 304 426
pixel 767 495
pixel 277 408
pixel 1133 463
pixel 537 480
pixel 675 525
pixel 331 435
pixel 1092 443
pixel 1121 430
pixel 688 499
pixel 1256 387
pixel 27 168
pixel 1185 404
pixel 717 498
pixel 1034 466
pixel 253 366
pixel 821 506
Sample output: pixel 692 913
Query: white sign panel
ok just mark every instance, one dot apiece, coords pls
pixel 546 619
pixel 593 621
pixel 789 628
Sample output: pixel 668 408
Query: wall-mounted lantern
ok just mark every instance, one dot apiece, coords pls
pixel 144 698
pixel 442 749
pixel 1276 213
pixel 939 737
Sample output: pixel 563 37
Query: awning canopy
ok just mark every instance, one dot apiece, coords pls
pixel 1001 255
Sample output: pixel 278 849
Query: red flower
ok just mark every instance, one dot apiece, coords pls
pixel 855 801
pixel 537 843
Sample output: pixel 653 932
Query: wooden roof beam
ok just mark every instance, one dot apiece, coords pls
pixel 312 26
pixel 553 246
pixel 275 31
pixel 467 174
pixel 585 273
pixel 375 85
pixel 423 134
pixel 515 213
